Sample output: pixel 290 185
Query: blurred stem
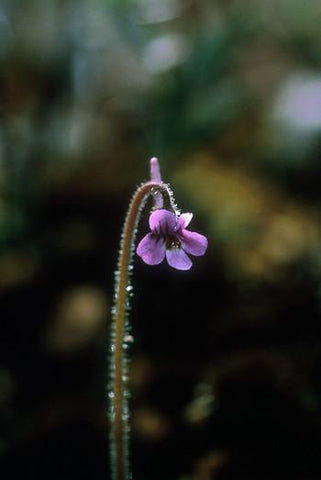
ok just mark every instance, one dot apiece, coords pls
pixel 117 391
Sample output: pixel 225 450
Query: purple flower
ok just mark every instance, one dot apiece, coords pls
pixel 169 237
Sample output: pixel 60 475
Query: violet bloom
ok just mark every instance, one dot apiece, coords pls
pixel 169 237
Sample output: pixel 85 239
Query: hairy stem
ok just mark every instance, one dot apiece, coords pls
pixel 117 387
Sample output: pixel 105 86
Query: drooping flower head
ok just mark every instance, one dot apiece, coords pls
pixel 169 237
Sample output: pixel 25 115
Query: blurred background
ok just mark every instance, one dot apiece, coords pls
pixel 225 369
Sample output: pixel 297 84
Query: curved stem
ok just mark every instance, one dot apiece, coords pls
pixel 118 395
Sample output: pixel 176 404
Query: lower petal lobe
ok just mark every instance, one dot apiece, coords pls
pixel 177 258
pixel 193 243
pixel 151 249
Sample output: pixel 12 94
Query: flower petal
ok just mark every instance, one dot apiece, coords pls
pixel 184 220
pixel 151 249
pixel 163 222
pixel 177 258
pixel 193 243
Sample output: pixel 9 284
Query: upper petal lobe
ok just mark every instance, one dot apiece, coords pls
pixel 184 220
pixel 163 222
pixel 151 249
pixel 193 243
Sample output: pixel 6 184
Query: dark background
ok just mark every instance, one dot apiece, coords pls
pixel 225 368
